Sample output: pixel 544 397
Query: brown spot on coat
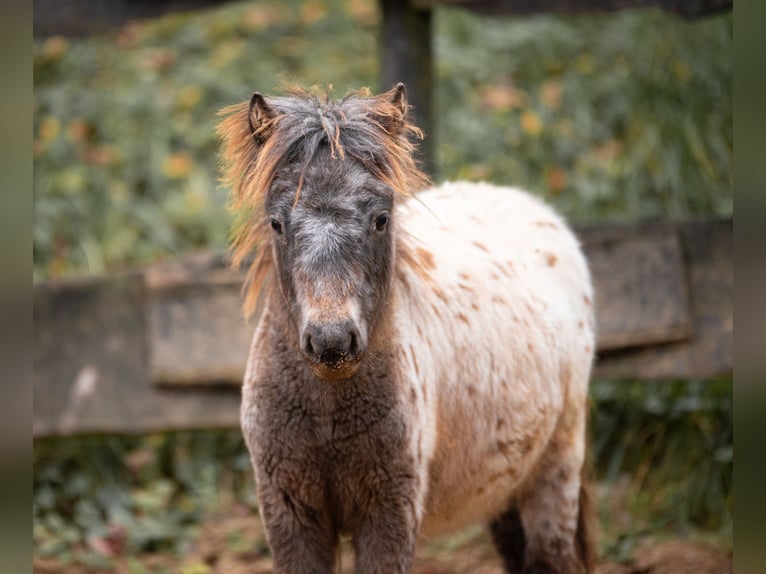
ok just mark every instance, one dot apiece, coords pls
pixel 440 294
pixel 551 259
pixel 502 268
pixel 481 246
pixel 548 224
pixel 525 445
pixel 426 258
pixel 463 318
pixel 587 300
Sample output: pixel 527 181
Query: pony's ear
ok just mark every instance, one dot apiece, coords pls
pixel 393 113
pixel 260 115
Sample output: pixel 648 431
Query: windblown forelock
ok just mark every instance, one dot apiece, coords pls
pixel 354 127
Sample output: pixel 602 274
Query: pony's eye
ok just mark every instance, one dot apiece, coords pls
pixel 276 226
pixel 381 222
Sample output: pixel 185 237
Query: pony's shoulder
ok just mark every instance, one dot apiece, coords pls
pixel 464 206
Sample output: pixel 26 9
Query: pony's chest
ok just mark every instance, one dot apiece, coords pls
pixel 335 441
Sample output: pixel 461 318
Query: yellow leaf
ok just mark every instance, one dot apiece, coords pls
pixel 188 97
pixel 556 178
pixel 77 130
pixel 531 123
pixel 50 127
pixel 585 64
pixel 177 165
pixel 365 12
pixel 55 47
pixel 263 16
pixel 550 93
pixel 312 12
pixel 503 97
pixel 682 72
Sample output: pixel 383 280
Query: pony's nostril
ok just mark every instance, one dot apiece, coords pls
pixel 331 356
pixel 308 347
pixel 353 342
pixel 332 343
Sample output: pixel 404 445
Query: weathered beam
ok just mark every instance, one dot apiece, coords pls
pixel 686 8
pixel 192 310
pixel 405 56
pixel 165 347
pixel 708 267
pixel 90 366
pixel 641 287
pixel 87 17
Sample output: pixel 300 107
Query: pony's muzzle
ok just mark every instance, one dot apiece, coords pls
pixel 333 350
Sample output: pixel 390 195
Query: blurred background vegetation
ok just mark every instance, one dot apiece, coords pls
pixel 613 117
pixel 623 116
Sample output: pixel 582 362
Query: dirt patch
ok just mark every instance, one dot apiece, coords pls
pixel 235 544
pixel 673 557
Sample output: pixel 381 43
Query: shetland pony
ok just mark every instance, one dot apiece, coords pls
pixel 421 362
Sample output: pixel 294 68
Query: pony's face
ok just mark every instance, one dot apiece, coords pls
pixel 332 241
pixel 324 175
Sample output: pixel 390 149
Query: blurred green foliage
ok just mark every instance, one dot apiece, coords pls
pixel 620 116
pixel 614 117
pixel 666 451
pixel 101 497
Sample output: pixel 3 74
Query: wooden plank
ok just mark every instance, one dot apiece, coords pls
pixel 195 329
pixel 707 249
pixel 86 17
pixel 90 367
pixel 641 290
pixel 686 8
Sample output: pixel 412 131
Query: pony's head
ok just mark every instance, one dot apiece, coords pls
pixel 315 182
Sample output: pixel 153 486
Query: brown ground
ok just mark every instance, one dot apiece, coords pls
pixel 234 544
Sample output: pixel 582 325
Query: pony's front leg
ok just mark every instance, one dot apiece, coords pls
pixel 302 539
pixel 384 542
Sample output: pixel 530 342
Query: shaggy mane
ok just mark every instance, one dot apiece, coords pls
pixel 372 130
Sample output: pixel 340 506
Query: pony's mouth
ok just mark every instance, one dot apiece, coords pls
pixel 336 369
